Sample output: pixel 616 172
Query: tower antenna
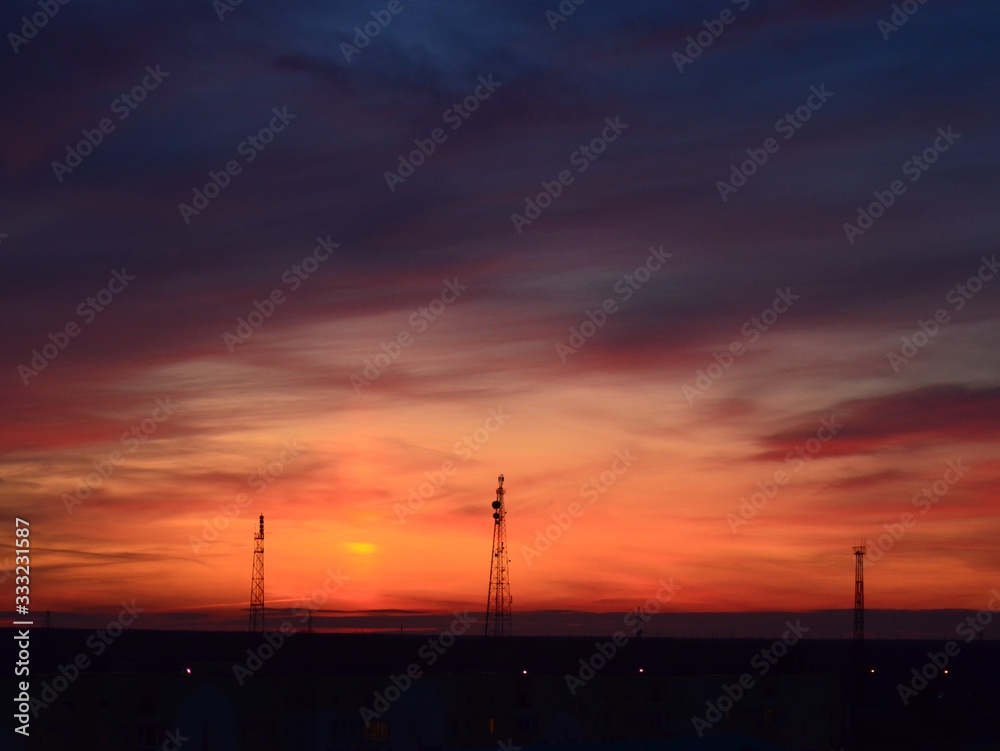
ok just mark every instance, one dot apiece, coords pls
pixel 257 582
pixel 498 595
pixel 859 593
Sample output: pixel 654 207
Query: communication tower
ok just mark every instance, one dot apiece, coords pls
pixel 498 596
pixel 257 582
pixel 859 593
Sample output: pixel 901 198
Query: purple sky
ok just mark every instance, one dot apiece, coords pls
pixel 623 238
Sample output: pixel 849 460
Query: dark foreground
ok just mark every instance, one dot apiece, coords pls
pixel 185 690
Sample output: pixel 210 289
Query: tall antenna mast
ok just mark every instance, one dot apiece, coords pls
pixel 859 594
pixel 498 595
pixel 257 582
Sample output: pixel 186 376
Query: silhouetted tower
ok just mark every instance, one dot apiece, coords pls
pixel 498 596
pixel 257 582
pixel 859 593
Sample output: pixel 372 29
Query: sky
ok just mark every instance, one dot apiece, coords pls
pixel 712 284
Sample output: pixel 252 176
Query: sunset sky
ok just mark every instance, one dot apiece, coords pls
pixel 563 290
